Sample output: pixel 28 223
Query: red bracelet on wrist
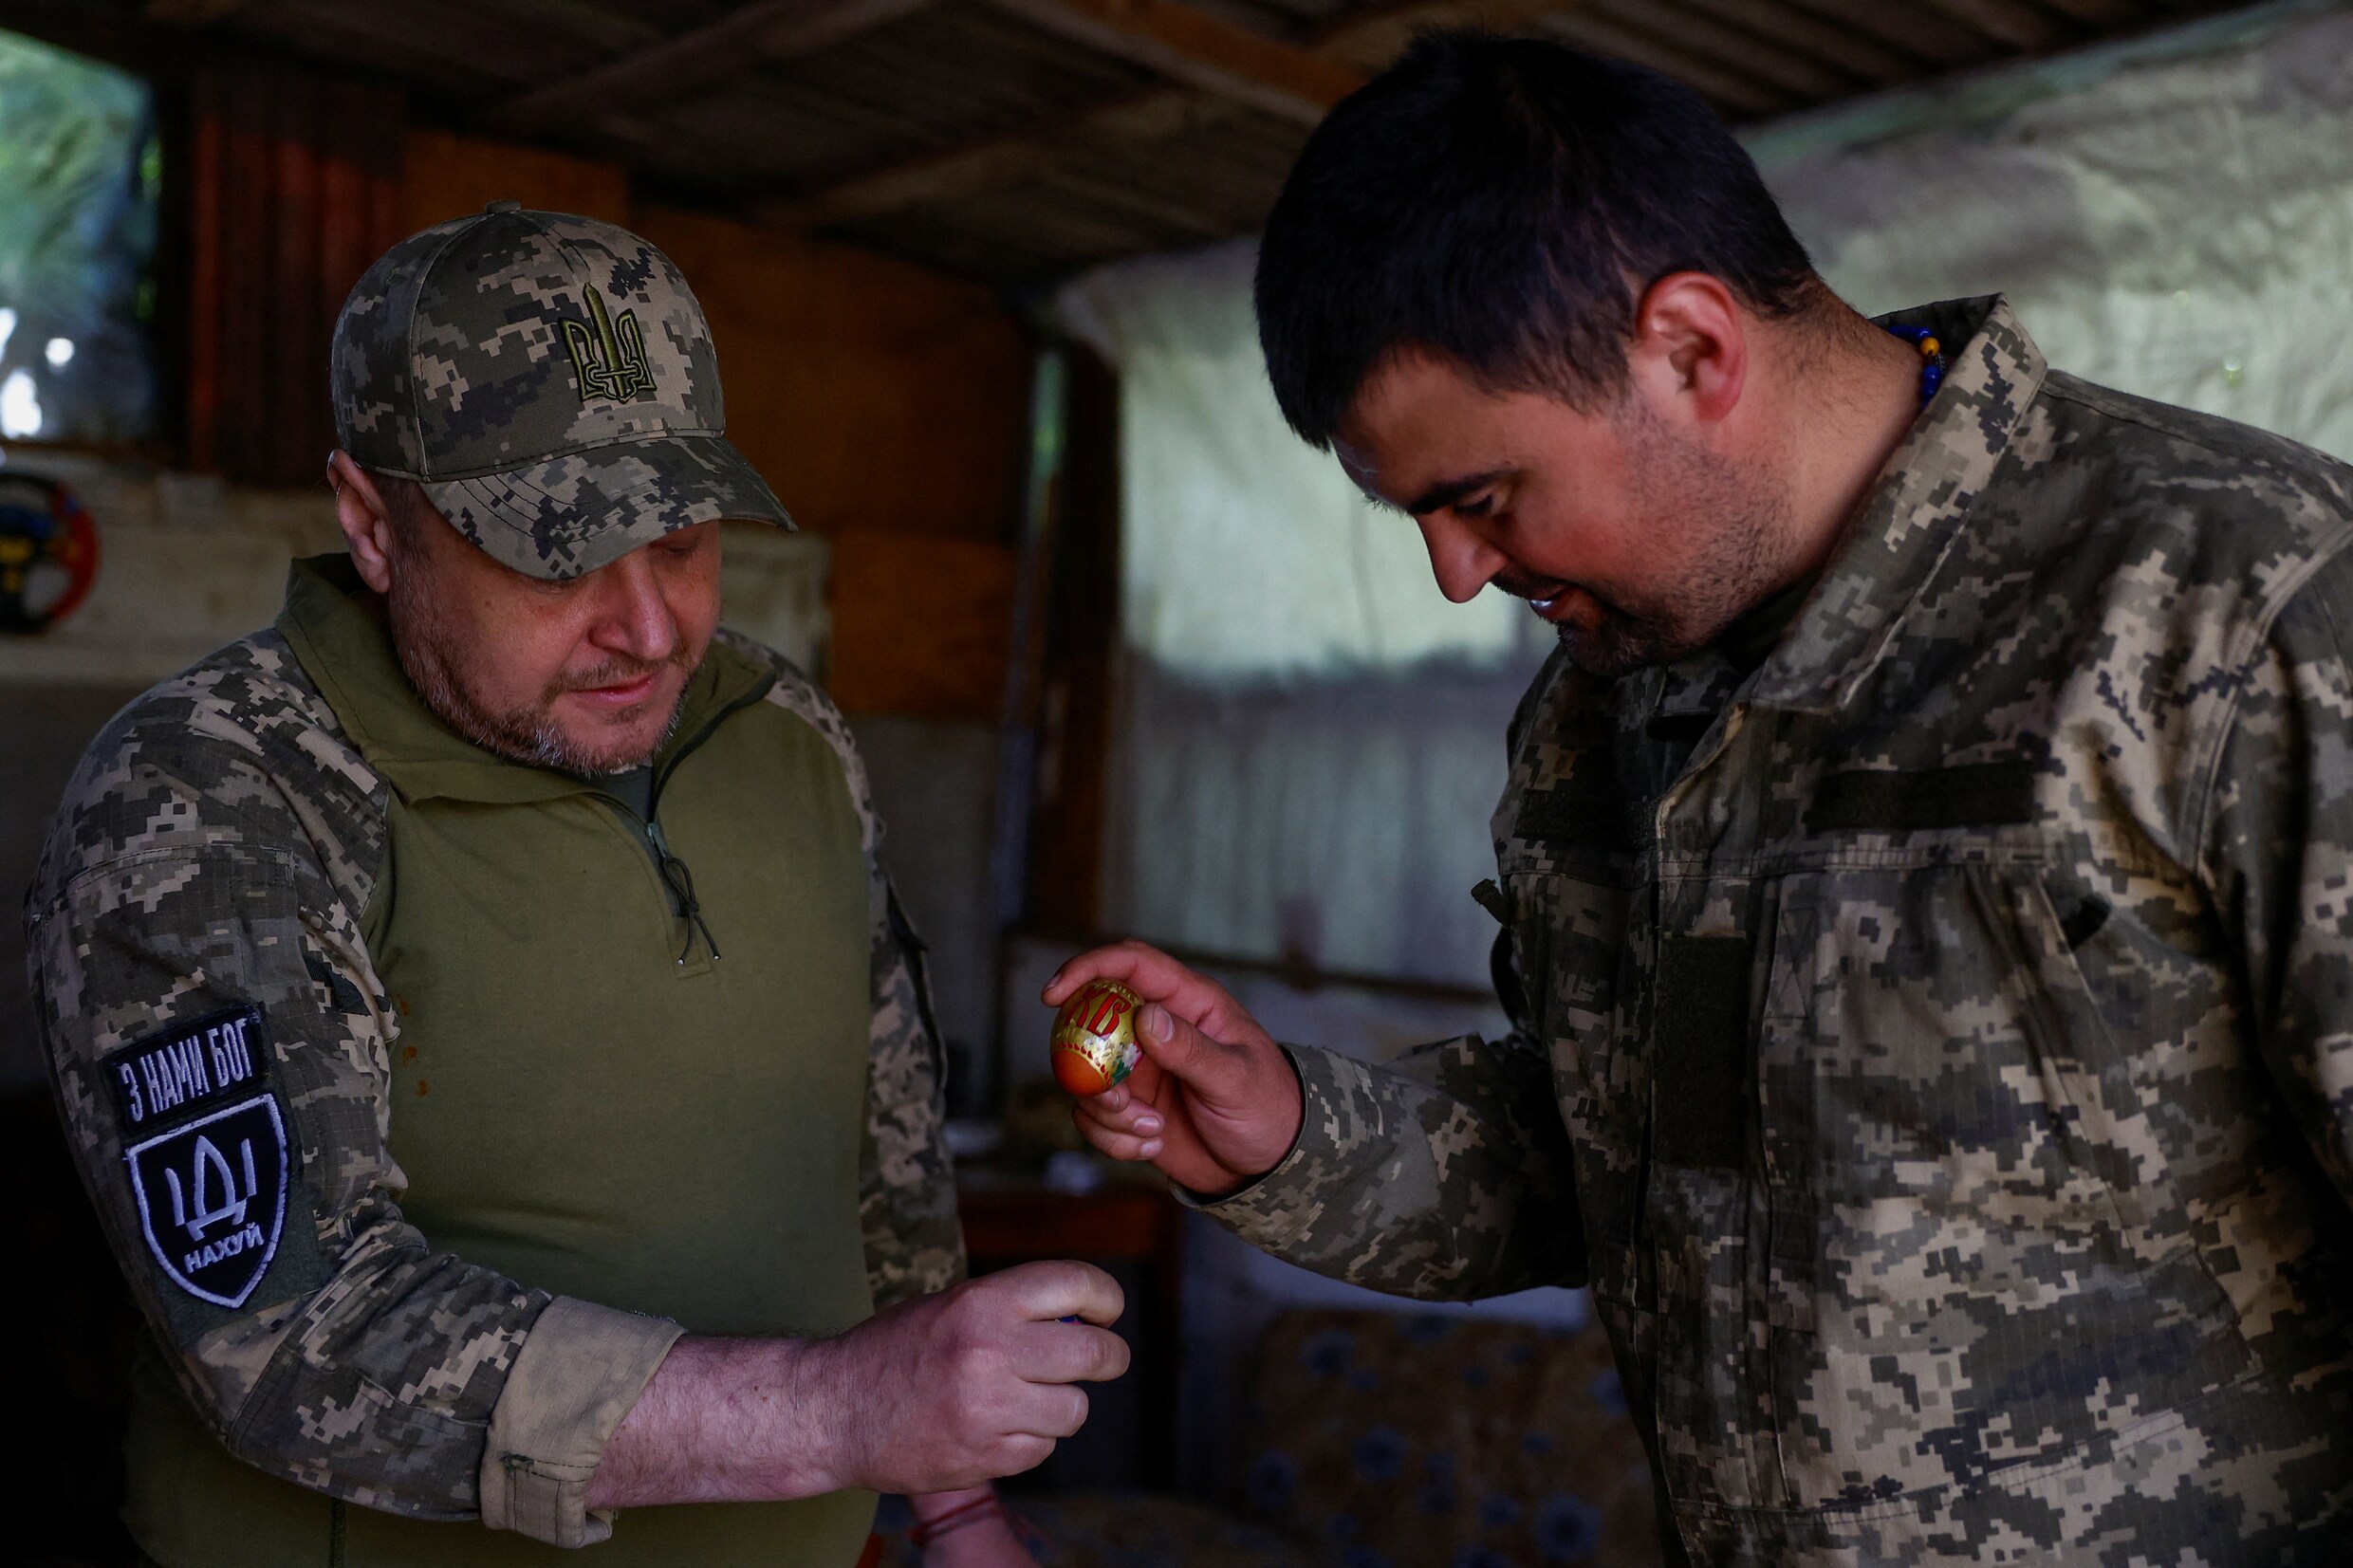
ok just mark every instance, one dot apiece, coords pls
pixel 928 1530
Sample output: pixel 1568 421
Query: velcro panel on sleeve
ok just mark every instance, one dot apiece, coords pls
pixel 575 1378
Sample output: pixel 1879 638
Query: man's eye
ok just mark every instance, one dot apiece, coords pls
pixel 1477 507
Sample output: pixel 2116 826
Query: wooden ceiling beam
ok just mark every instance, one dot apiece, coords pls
pixel 1197 50
pixel 1371 38
pixel 1738 95
pixel 1362 45
pixel 996 162
pixel 1857 54
pixel 1919 30
pixel 765 30
pixel 2011 23
pixel 2106 15
pixel 1705 39
pixel 191 13
pixel 1177 223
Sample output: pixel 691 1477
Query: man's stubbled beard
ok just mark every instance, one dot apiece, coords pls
pixel 421 638
pixel 1729 568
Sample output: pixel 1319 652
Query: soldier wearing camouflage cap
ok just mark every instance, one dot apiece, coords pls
pixel 1924 874
pixel 484 1023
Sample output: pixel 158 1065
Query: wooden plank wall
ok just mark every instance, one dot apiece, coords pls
pixel 293 189
pixel 447 176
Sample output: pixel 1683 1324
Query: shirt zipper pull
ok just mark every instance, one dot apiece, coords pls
pixel 680 881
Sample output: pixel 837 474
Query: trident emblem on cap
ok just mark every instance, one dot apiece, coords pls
pixel 611 355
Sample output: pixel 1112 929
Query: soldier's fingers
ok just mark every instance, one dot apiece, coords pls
pixel 1049 1290
pixel 1222 1018
pixel 1051 1410
pixel 1144 969
pixel 1132 1116
pixel 1128 1129
pixel 1070 1353
pixel 1120 961
pixel 1120 1146
pixel 1187 1054
pixel 1016 1452
pixel 1160 980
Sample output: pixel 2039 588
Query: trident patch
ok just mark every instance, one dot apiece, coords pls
pixel 211 1189
pixel 609 354
pixel 211 1199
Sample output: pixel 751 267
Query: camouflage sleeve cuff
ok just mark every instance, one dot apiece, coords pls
pixel 578 1374
pixel 1335 1094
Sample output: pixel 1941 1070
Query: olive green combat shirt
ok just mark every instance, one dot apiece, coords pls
pixel 424 1114
pixel 1934 1045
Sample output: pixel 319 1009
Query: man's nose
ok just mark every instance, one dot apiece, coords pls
pixel 632 616
pixel 1459 559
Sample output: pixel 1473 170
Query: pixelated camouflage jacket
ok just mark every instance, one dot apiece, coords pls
pixel 1945 1079
pixel 216 849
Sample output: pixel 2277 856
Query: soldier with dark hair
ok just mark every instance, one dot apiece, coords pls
pixel 1924 872
pixel 488 1033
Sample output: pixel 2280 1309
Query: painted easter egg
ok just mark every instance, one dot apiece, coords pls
pixel 1095 1037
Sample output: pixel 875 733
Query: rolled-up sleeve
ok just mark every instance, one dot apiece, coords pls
pixel 578 1374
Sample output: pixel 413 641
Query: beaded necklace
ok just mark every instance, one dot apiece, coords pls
pixel 1932 356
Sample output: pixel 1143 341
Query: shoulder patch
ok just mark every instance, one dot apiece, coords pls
pixel 165 1076
pixel 211 1199
pixel 207 1152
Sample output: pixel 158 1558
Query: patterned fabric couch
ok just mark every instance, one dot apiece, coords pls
pixel 1376 1440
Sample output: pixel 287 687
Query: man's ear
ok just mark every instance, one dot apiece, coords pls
pixel 367 526
pixel 1690 346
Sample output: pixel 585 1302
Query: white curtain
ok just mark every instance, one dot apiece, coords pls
pixel 2173 218
pixel 1312 738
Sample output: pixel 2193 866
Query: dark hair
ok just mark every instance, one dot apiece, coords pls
pixel 1502 201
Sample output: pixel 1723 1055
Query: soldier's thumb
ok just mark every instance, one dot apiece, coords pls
pixel 1177 1047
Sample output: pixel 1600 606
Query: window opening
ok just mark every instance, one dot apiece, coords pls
pixel 81 174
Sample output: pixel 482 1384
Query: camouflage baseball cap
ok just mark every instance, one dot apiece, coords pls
pixel 549 380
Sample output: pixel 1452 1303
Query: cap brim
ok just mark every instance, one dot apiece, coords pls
pixel 566 517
